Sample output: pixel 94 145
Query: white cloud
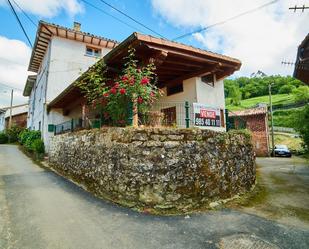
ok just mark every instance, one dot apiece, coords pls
pixel 48 8
pixel 261 40
pixel 14 59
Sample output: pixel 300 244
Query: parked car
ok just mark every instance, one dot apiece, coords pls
pixel 282 150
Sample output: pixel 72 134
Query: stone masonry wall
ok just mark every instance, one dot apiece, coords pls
pixel 155 167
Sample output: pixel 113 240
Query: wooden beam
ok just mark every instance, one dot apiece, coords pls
pixel 198 73
pixel 191 56
pixel 158 58
pixel 171 62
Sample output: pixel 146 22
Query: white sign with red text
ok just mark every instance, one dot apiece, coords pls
pixel 206 116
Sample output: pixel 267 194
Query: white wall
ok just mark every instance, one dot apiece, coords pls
pixel 63 63
pixel 213 96
pixel 37 96
pixel 178 100
pixel 2 121
pixel 194 91
pixel 68 60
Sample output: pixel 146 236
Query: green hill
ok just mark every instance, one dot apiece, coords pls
pixel 278 99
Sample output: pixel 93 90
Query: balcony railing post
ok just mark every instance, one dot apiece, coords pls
pixel 72 124
pixel 227 123
pixel 187 114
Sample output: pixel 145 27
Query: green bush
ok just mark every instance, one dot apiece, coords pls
pixel 38 146
pixel 3 138
pixel 27 137
pixel 286 89
pixel 13 133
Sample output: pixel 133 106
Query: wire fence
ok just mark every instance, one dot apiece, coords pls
pixel 68 126
pixel 168 114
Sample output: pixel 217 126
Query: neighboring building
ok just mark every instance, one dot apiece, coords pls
pixel 256 120
pixel 301 70
pixel 58 57
pixel 19 116
pixel 2 119
pixel 184 74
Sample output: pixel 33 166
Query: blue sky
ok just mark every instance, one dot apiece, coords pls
pixel 261 40
pixel 96 22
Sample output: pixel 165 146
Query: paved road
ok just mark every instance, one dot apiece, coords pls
pixel 39 209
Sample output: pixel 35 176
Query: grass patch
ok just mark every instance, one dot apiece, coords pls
pixel 293 143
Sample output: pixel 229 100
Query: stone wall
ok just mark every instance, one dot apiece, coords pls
pixel 155 167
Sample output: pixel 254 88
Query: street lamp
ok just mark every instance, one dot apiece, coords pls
pixel 271 117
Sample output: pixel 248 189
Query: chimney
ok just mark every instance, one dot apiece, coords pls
pixel 76 26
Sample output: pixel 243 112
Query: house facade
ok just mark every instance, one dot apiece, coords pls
pixel 184 73
pixel 59 56
pixel 256 120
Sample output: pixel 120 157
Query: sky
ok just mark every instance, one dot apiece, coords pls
pixel 260 39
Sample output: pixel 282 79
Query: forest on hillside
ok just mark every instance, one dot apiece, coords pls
pixel 249 87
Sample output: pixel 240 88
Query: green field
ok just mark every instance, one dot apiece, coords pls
pixel 285 118
pixel 278 99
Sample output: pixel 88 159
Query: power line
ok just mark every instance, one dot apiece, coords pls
pixel 19 22
pixel 28 17
pixel 10 87
pixel 131 18
pixel 108 14
pixel 299 8
pixel 227 20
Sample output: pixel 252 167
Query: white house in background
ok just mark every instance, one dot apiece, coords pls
pixel 58 57
pixel 2 119
pixel 19 116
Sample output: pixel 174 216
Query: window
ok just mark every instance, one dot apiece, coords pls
pixel 170 90
pixel 169 116
pixel 209 79
pixel 96 52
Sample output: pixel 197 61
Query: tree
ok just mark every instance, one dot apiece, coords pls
pixel 235 95
pixel 301 94
pixel 286 89
pixel 302 126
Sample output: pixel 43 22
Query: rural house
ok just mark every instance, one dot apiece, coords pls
pixel 184 73
pixel 58 57
pixel 256 120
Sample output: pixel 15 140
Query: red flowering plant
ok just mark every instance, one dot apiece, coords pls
pixel 114 99
pixel 135 86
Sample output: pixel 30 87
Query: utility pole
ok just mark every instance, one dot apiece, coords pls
pixel 11 107
pixel 272 121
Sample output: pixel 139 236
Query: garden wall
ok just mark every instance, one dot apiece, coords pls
pixel 156 167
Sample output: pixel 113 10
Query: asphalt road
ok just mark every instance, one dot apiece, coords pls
pixel 39 209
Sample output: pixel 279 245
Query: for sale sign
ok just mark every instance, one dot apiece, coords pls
pixel 206 116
